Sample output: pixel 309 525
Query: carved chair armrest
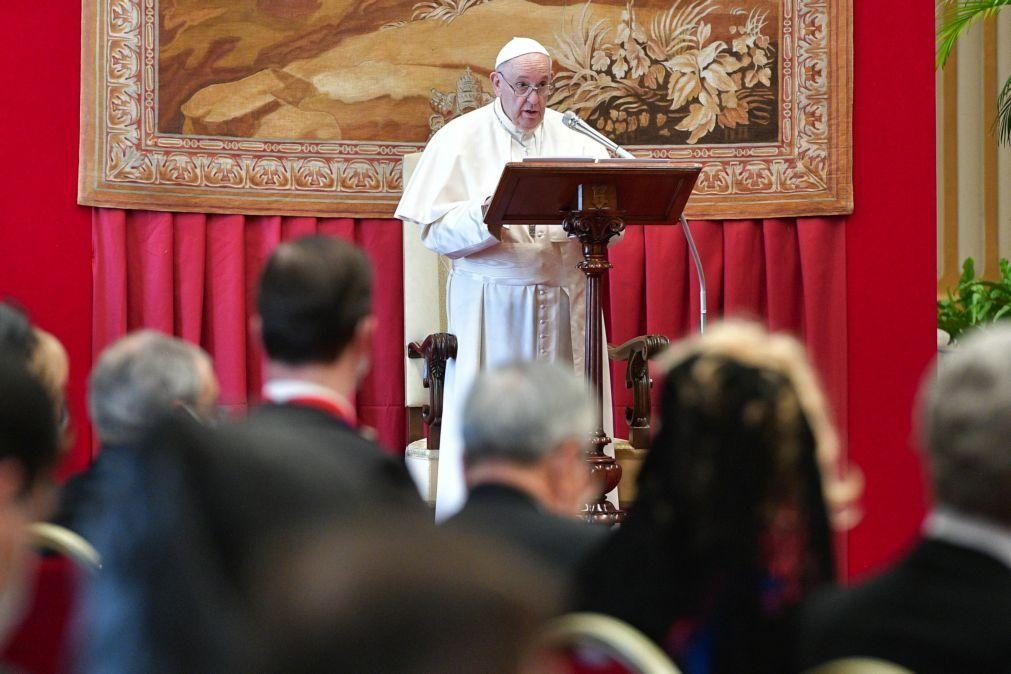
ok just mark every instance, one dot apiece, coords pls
pixel 638 352
pixel 435 350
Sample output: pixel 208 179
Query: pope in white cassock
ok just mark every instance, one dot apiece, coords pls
pixel 514 293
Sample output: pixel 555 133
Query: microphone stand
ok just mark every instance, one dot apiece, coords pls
pixel 698 272
pixel 576 123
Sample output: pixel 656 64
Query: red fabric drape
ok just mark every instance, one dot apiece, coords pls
pixel 47 252
pixel 788 273
pixel 194 276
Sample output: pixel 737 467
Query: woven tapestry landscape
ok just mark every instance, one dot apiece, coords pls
pixel 307 106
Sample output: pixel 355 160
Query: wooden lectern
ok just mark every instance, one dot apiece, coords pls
pixel 593 200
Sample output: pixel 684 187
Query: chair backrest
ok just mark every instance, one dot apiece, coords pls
pixel 425 276
pixel 607 644
pixel 859 666
pixel 54 538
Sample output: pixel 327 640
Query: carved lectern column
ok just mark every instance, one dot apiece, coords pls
pixel 595 222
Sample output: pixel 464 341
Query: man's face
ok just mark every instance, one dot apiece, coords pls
pixel 534 69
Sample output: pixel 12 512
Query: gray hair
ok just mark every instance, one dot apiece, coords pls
pixel 140 379
pixel 523 411
pixel 965 422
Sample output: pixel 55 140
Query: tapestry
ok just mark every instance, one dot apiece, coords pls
pixel 306 107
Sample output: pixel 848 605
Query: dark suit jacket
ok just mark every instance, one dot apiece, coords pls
pixel 507 515
pixel 371 475
pixel 83 497
pixel 943 608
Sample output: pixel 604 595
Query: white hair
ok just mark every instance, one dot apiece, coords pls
pixel 141 378
pixel 523 411
pixel 965 423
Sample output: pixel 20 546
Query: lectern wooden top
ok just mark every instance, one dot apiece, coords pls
pixel 543 191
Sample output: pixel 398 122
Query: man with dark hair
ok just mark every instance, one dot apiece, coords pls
pixel 315 319
pixel 315 302
pixel 29 444
pixel 17 338
pixel 946 607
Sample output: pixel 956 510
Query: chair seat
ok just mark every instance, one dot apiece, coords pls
pixel 859 666
pixel 423 465
pixel 598 644
pixel 630 459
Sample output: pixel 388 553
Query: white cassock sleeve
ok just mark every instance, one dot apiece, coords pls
pixel 445 201
pixel 460 232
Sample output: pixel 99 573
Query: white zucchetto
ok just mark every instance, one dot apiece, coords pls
pixel 518 46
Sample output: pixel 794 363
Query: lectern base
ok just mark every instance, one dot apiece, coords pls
pixel 603 512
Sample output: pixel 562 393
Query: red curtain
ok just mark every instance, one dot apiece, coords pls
pixel 788 273
pixel 194 276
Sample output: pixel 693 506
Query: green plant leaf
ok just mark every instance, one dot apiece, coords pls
pixel 968 271
pixel 974 301
pixel 1002 123
pixel 957 17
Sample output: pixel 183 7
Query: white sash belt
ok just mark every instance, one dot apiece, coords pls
pixel 521 264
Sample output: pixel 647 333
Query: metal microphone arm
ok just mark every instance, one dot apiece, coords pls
pixel 575 122
pixel 698 271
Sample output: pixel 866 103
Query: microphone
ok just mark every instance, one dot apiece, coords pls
pixel 575 122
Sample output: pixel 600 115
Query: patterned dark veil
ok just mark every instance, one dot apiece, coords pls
pixel 730 528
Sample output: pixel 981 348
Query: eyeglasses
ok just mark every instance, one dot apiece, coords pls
pixel 524 89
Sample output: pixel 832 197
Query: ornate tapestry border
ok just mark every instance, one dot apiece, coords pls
pixel 125 162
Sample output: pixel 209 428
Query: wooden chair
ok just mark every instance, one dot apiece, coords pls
pixel 630 453
pixel 594 642
pixel 47 537
pixel 428 348
pixel 859 666
pixel 422 455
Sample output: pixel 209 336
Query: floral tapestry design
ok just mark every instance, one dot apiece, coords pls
pixel 308 106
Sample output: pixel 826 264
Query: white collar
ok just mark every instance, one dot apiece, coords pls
pixel 282 390
pixel 950 526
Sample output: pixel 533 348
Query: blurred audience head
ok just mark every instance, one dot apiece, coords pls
pixel 29 443
pixel 742 427
pixel 315 302
pixel 144 377
pixel 965 424
pixel 192 508
pixel 50 364
pixel 28 430
pixel 222 553
pixel 17 338
pixel 529 424
pixel 380 596
pixel 730 527
pixel 41 352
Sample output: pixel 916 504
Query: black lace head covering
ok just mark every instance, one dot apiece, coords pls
pixel 729 530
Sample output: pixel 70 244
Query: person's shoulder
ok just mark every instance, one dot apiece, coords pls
pixel 463 126
pixel 307 424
